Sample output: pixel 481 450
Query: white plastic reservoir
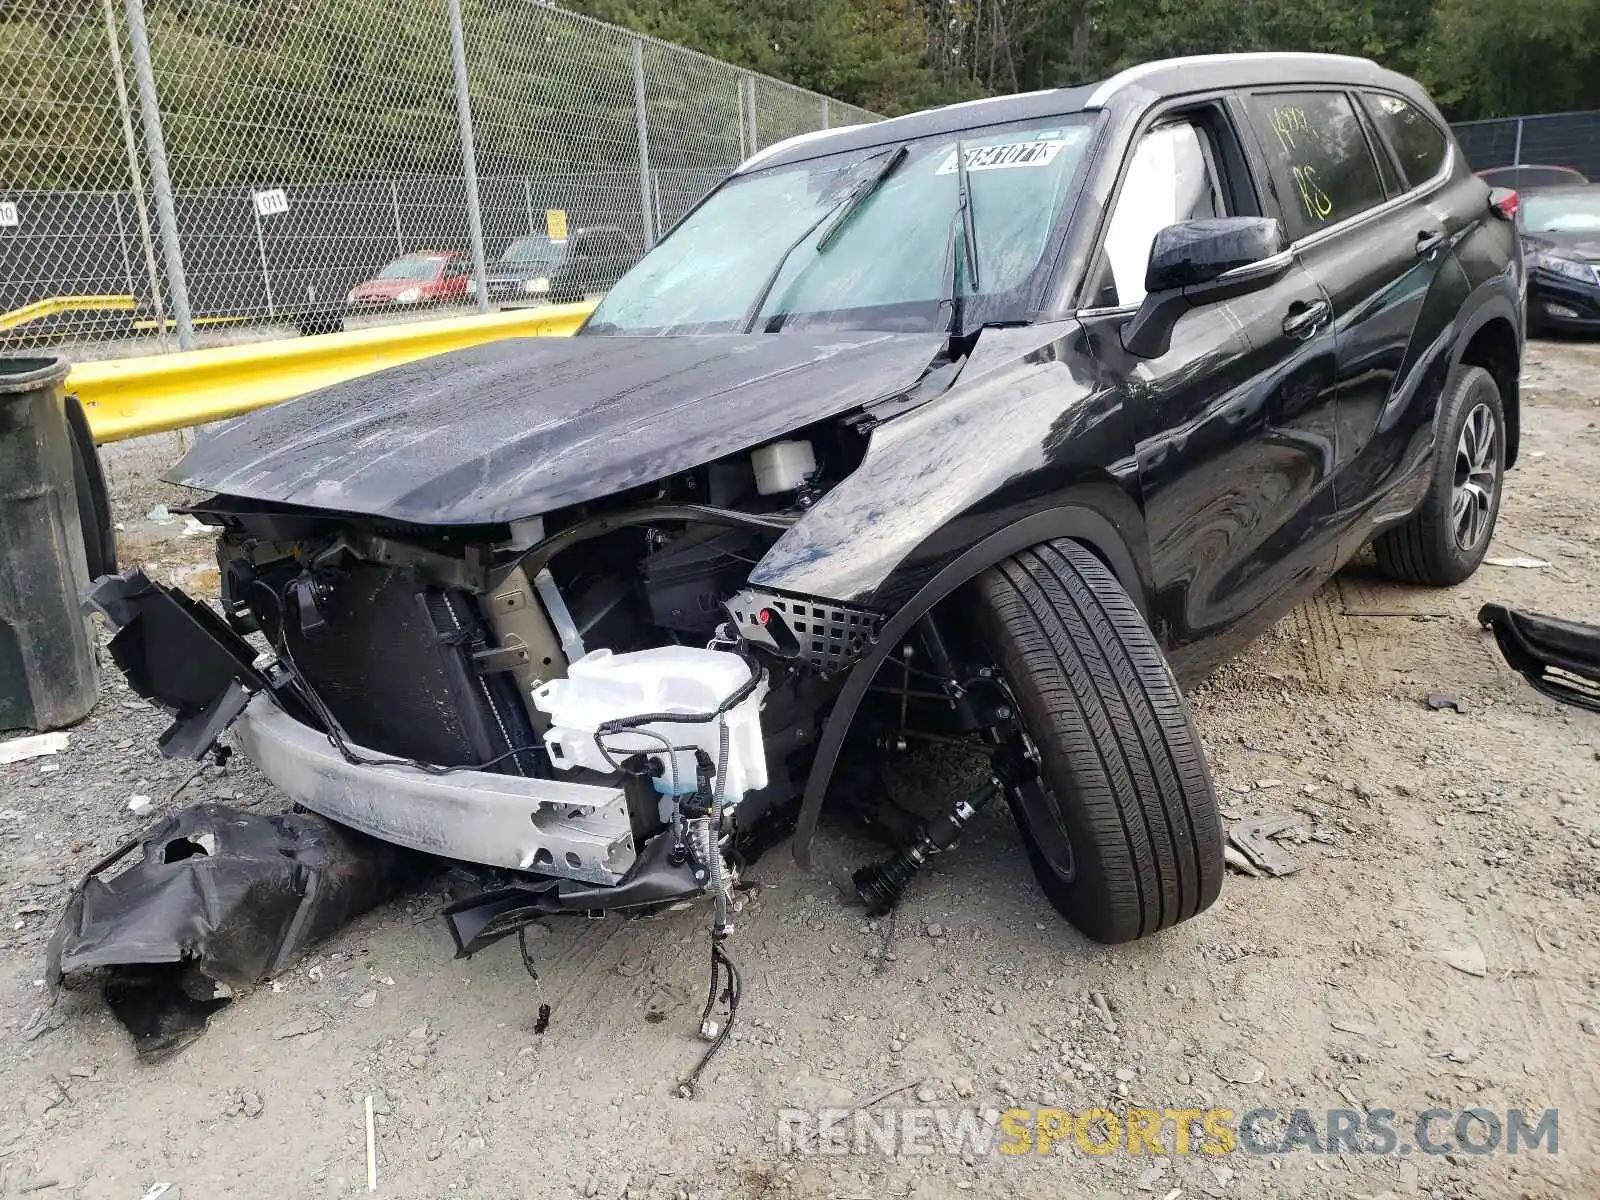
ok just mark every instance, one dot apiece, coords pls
pixel 602 686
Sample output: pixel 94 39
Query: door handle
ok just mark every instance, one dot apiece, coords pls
pixel 1429 240
pixel 1304 318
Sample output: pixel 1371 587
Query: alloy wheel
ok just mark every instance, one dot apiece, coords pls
pixel 1477 478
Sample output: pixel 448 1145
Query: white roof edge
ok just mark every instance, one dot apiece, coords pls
pixel 1122 79
pixel 767 152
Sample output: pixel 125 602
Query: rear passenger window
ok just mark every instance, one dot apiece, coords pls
pixel 1317 151
pixel 1418 143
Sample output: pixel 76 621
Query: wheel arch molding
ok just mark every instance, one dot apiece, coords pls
pixel 1491 338
pixel 1105 534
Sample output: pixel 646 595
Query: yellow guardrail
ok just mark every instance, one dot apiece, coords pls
pixel 56 305
pixel 130 397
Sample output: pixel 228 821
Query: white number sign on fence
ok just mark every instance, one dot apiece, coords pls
pixel 271 202
pixel 9 217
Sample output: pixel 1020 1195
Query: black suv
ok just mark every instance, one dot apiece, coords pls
pixel 561 270
pixel 959 427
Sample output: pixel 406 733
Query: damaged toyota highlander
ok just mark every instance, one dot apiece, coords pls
pixel 956 428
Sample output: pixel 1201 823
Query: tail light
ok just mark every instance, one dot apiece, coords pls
pixel 1504 202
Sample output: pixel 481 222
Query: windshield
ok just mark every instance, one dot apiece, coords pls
pixel 886 267
pixel 411 268
pixel 1577 212
pixel 530 251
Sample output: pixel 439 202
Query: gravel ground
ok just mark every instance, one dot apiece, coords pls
pixel 1429 832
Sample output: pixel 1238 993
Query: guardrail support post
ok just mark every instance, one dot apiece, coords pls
pixel 156 146
pixel 644 144
pixel 469 153
pixel 1516 154
pixel 824 112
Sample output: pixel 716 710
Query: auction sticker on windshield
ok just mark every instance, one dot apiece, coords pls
pixel 1007 154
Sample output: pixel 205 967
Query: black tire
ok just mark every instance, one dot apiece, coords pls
pixel 94 503
pixel 1428 548
pixel 1122 828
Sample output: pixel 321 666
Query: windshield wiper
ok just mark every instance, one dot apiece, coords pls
pixel 955 295
pixel 859 196
pixel 849 203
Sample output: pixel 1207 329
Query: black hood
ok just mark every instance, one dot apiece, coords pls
pixel 516 428
pixel 1581 247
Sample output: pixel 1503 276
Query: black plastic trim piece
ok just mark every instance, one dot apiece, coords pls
pixel 1080 524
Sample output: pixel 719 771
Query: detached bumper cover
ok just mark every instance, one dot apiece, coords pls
pixel 574 830
pixel 1559 658
pixel 218 895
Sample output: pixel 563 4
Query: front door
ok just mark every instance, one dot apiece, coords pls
pixel 1234 427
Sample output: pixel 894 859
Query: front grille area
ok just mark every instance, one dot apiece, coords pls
pixel 393 662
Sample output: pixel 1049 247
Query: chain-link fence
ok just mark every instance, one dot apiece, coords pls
pixel 174 170
pixel 1552 140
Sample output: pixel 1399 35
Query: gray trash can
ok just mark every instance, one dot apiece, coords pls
pixel 47 660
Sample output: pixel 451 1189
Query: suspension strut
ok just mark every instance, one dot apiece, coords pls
pixel 881 884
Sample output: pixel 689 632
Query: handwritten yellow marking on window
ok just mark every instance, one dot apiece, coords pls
pixel 1290 122
pixel 1317 203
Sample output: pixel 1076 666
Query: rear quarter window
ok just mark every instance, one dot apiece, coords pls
pixel 1418 143
pixel 1318 156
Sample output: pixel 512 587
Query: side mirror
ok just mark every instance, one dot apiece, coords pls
pixel 1201 262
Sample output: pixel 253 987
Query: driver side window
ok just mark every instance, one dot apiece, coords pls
pixel 1172 176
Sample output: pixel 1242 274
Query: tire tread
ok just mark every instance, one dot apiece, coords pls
pixel 1117 741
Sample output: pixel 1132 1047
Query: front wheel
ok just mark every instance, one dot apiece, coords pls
pixel 1444 541
pixel 1121 827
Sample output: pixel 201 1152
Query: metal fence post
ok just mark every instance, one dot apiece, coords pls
pixel 156 146
pixel 750 113
pixel 644 143
pixel 1516 154
pixel 824 112
pixel 261 251
pixel 135 175
pixel 469 153
pixel 394 207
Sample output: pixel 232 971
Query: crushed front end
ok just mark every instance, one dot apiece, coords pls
pixel 590 705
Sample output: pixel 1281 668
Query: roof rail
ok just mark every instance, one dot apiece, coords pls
pixel 1122 79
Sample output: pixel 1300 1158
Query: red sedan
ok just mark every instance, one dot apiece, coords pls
pixel 416 279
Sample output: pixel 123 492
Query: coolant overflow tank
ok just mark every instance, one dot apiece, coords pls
pixel 669 681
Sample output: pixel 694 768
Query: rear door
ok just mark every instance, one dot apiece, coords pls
pixel 1363 211
pixel 1234 426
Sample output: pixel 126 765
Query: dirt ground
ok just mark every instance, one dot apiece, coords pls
pixel 1430 832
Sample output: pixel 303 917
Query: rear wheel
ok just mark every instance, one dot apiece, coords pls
pixel 1121 827
pixel 1444 541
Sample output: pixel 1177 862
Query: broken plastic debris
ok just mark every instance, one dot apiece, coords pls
pixel 159 513
pixel 1442 700
pixel 1469 959
pixel 1516 560
pixel 139 805
pixel 23 748
pixel 1253 840
pixel 157 1191
pixel 219 896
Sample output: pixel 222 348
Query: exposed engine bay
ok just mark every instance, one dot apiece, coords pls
pixel 593 706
